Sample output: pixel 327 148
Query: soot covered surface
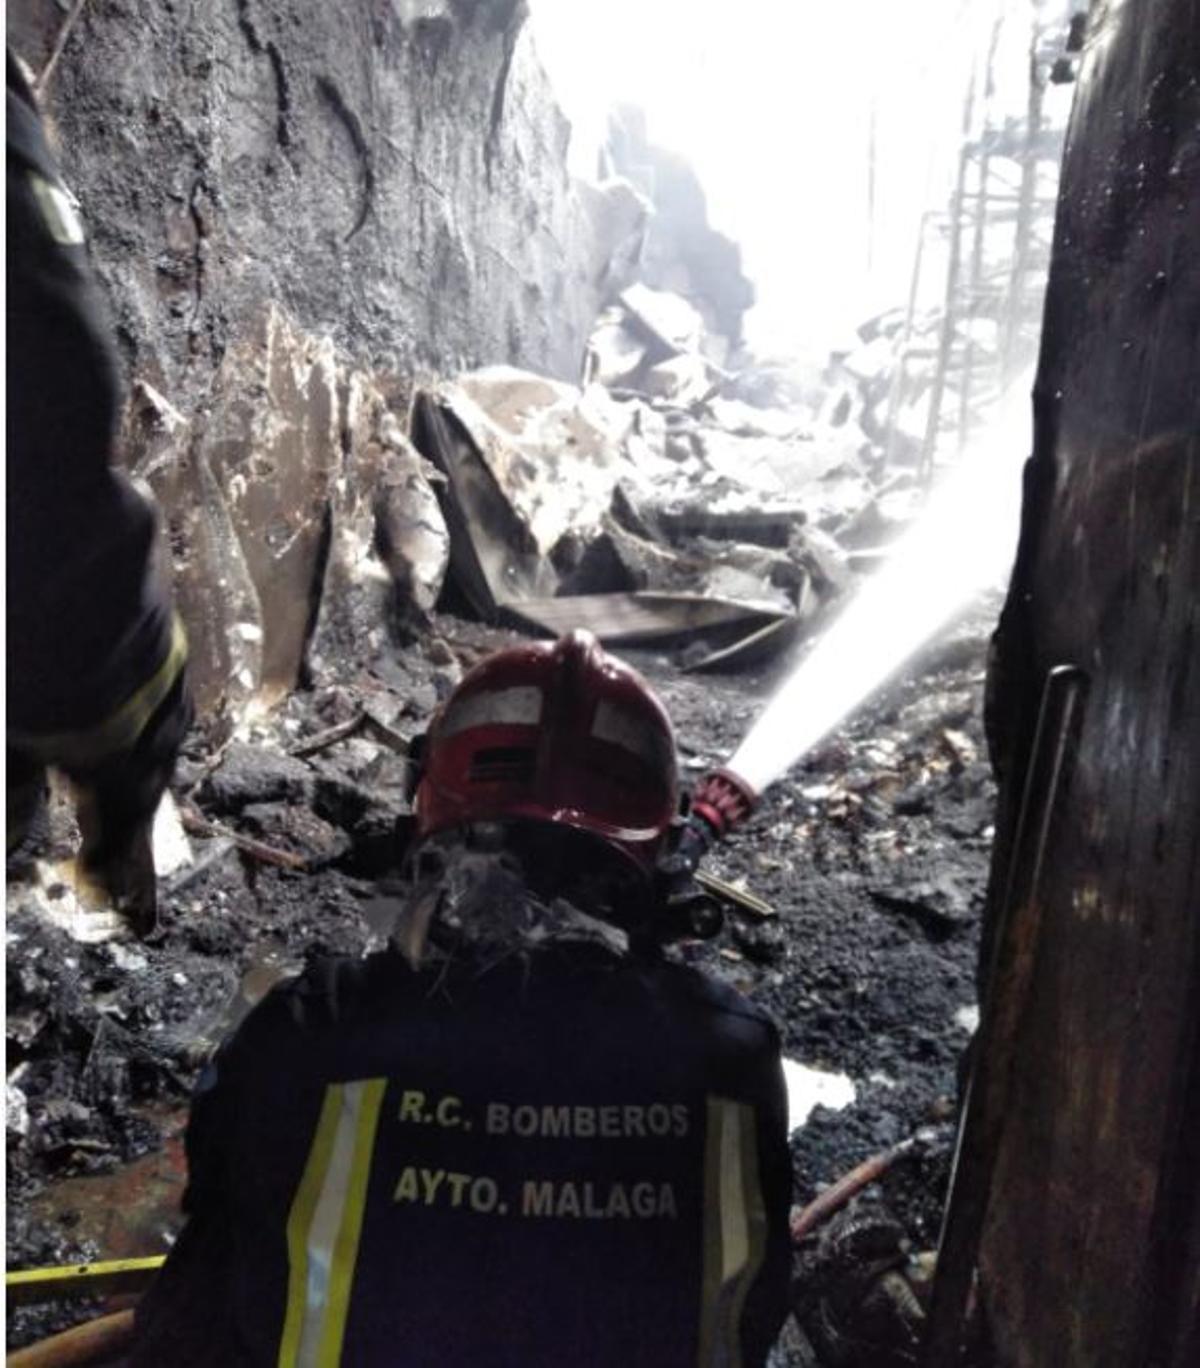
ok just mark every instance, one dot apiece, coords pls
pixel 873 853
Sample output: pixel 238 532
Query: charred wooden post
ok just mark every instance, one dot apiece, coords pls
pixel 1010 978
pixel 1089 1255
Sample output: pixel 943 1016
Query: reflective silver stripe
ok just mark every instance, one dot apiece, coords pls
pixel 326 1222
pixel 634 734
pixel 735 1220
pixel 519 706
pixel 324 1225
pixel 735 1228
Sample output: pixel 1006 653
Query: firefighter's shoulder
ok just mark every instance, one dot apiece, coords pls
pixel 333 989
pixel 706 993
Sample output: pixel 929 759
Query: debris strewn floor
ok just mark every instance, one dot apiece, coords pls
pixel 871 855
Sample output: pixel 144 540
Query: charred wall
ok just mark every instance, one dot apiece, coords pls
pixel 298 208
pixel 1097 1174
pixel 392 173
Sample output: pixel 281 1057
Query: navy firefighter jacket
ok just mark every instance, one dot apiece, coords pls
pixel 92 647
pixel 574 1159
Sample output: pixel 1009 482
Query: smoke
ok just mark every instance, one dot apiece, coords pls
pixel 963 541
pixel 820 132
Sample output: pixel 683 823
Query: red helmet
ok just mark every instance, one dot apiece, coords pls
pixel 557 733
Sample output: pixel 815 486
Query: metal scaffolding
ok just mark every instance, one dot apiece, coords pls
pixel 996 234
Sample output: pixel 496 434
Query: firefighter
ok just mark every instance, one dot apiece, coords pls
pixel 95 655
pixel 522 1134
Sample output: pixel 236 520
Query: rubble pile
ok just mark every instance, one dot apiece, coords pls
pixel 652 504
pixel 345 544
pixel 681 252
pixel 870 860
pixel 881 381
pixel 316 509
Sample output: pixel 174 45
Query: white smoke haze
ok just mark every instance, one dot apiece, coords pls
pixel 821 132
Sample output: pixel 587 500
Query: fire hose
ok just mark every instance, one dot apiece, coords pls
pixel 96 1340
pixel 839 1194
pixel 89 1343
pixel 721 801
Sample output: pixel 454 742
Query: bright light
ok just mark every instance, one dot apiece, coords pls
pixel 822 133
pixel 964 540
pixel 778 107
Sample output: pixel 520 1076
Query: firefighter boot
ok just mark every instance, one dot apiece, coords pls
pixel 116 859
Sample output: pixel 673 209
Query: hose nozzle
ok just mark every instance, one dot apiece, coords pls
pixel 723 800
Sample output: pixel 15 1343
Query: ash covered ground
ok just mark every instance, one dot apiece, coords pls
pixel 872 852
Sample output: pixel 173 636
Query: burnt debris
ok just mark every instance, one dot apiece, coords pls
pixel 359 506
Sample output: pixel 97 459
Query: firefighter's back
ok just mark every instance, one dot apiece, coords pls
pixel 567 1156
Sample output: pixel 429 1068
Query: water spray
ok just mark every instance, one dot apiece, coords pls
pixel 962 541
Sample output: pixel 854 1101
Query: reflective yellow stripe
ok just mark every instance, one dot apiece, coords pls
pixel 121 728
pixel 735 1228
pixel 59 209
pixel 710 1290
pixel 325 1222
